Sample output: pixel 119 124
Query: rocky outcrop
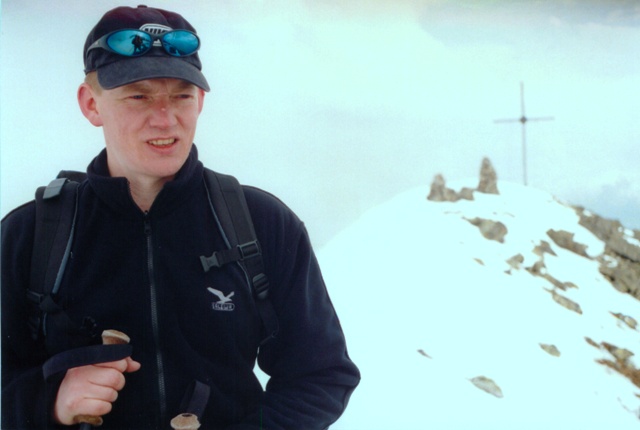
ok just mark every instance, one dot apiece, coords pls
pixel 626 319
pixel 621 362
pixel 565 240
pixel 620 263
pixel 540 269
pixel 440 193
pixel 515 262
pixel 544 248
pixel 488 178
pixel 621 241
pixel 621 260
pixel 488 184
pixel 623 274
pixel 492 230
pixel 488 385
pixel 566 302
pixel 550 349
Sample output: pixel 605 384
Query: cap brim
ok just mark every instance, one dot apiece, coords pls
pixel 137 69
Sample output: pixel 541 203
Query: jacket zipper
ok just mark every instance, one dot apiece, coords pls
pixel 154 320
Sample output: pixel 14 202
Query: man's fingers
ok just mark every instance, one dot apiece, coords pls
pixel 92 408
pixel 90 390
pixel 109 378
pixel 126 365
pixel 132 365
pixel 82 410
pixel 100 394
pixel 105 394
pixel 120 365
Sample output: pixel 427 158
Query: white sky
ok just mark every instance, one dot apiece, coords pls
pixel 446 292
pixel 336 108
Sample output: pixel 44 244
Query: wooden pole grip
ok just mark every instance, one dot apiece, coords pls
pixel 109 337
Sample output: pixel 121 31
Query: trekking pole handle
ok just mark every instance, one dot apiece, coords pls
pixel 185 421
pixel 109 337
pixel 85 426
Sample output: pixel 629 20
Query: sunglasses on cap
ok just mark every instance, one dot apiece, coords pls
pixel 133 43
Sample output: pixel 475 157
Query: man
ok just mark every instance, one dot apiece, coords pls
pixel 143 220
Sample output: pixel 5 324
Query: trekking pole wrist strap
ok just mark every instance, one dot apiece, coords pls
pixel 83 357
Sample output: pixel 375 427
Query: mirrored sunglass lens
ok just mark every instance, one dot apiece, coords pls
pixel 178 43
pixel 130 42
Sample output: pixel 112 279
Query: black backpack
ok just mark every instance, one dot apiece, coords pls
pixel 56 210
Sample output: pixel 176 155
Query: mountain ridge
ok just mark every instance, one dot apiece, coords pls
pixel 433 304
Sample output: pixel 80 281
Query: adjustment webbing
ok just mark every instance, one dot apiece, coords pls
pixel 83 357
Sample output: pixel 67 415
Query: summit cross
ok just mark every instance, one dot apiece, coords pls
pixel 523 120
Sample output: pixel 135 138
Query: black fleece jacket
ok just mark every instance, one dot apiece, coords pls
pixel 140 273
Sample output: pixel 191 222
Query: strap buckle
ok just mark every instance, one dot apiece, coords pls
pixel 54 188
pixel 209 262
pixel 261 286
pixel 249 249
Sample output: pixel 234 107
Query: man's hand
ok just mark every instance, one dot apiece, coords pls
pixel 91 390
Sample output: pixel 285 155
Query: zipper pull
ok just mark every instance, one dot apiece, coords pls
pixel 147 224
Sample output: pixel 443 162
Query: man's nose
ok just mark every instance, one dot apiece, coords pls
pixel 163 115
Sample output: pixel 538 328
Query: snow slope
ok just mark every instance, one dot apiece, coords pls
pixel 427 304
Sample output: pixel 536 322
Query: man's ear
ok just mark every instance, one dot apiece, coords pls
pixel 200 100
pixel 88 104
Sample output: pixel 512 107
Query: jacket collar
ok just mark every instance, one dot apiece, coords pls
pixel 116 194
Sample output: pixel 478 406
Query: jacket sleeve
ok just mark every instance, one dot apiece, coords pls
pixel 27 400
pixel 311 374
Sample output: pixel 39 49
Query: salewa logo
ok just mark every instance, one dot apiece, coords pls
pixel 157 30
pixel 224 304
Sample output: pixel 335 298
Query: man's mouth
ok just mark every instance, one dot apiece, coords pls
pixel 161 142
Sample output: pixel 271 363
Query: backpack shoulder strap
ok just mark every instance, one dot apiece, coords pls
pixel 234 222
pixel 56 209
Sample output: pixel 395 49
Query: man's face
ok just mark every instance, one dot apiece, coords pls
pixel 148 126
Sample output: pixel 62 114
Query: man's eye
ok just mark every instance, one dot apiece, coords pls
pixel 138 97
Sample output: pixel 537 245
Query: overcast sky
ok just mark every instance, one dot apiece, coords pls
pixel 336 106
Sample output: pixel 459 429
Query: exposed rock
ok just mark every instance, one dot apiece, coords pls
pixel 488 184
pixel 488 385
pixel 492 230
pixel 568 285
pixel 488 178
pixel 592 342
pixel 424 354
pixel 544 248
pixel 621 354
pixel 627 370
pixel 620 245
pixel 621 363
pixel 466 194
pixel 603 228
pixel 540 269
pixel 564 286
pixel 621 262
pixel 567 303
pixel 439 191
pixel 624 275
pixel 629 321
pixel 550 349
pixel 613 234
pixel 564 239
pixel 516 261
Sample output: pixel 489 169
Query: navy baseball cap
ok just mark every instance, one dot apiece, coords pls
pixel 115 70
